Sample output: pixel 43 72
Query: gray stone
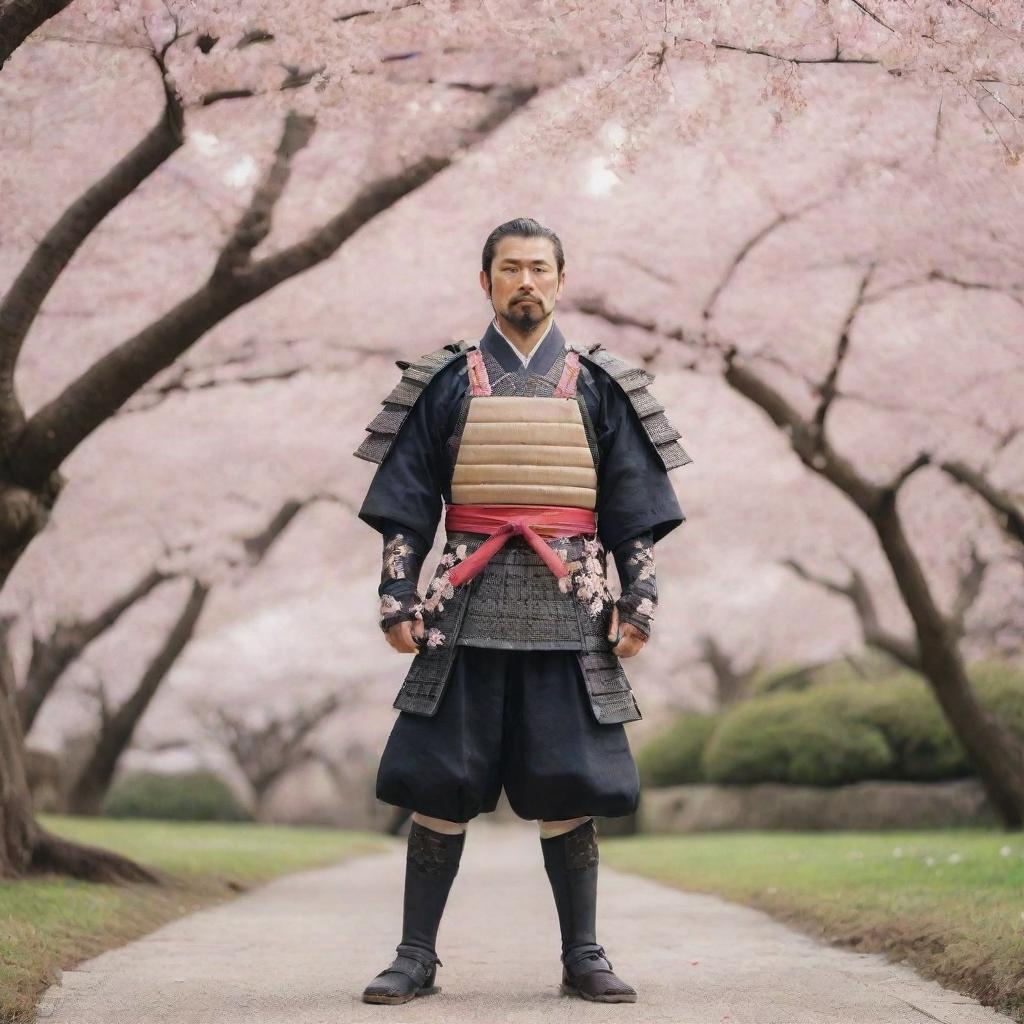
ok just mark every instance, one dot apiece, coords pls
pixel 769 805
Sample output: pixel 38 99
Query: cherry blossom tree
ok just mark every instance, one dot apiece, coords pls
pixel 404 91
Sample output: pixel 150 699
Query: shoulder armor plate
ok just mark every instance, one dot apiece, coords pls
pixel 634 380
pixel 416 375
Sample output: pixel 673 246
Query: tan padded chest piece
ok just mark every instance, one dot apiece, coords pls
pixel 524 450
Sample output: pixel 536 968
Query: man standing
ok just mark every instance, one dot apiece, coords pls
pixel 546 458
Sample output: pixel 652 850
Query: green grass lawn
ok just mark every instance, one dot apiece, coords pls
pixel 48 922
pixel 951 903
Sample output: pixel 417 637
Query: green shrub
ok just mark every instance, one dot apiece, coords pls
pixel 1000 687
pixel 827 725
pixel 812 738
pixel 925 749
pixel 183 796
pixel 672 758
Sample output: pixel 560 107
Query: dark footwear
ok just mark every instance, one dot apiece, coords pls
pixel 571 862
pixel 587 972
pixel 406 978
pixel 431 864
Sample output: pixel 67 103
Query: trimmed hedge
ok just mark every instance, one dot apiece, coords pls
pixel 182 796
pixel 830 729
pixel 809 738
pixel 673 757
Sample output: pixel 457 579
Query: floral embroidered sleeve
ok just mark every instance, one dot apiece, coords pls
pixel 404 551
pixel 635 561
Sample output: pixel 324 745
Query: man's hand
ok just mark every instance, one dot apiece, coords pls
pixel 632 641
pixel 400 635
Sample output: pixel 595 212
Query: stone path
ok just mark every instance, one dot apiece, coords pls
pixel 301 948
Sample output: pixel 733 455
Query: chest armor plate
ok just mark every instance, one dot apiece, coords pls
pixel 524 450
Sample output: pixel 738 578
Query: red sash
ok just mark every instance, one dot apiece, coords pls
pixel 504 521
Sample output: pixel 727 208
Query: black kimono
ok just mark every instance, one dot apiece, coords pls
pixel 516 684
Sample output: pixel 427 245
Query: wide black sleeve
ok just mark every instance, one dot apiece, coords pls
pixel 411 480
pixel 634 493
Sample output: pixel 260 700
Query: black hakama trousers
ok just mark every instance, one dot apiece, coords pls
pixel 515 719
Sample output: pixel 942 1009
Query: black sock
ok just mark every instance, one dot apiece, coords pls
pixel 571 861
pixel 431 863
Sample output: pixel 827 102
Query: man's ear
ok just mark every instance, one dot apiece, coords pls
pixel 485 283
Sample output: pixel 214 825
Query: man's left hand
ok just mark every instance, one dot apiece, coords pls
pixel 632 640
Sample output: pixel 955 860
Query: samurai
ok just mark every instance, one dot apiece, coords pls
pixel 544 457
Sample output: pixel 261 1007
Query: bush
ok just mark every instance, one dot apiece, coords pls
pixel 672 758
pixel 810 738
pixel 828 725
pixel 1000 687
pixel 903 707
pixel 184 796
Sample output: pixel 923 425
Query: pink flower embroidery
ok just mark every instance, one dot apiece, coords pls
pixel 644 557
pixel 435 637
pixel 394 557
pixel 590 583
pixel 440 589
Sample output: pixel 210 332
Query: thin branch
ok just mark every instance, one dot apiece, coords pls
pixel 731 683
pixel 971 580
pixel 1008 508
pixel 835 58
pixel 265 752
pixel 871 14
pixel 745 250
pixel 257 545
pixel 117 728
pixel 858 593
pixel 827 389
pixel 51 656
pixel 366 11
pixel 255 223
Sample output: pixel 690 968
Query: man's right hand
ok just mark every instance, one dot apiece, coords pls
pixel 400 635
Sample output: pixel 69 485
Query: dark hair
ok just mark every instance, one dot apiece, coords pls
pixel 521 227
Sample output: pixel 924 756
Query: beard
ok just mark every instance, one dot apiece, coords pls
pixel 525 314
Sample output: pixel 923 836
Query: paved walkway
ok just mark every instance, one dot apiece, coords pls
pixel 301 948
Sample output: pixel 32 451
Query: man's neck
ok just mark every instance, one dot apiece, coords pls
pixel 524 343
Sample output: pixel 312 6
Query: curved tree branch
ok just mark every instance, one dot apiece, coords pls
pixel 21 304
pixel 20 18
pixel 62 424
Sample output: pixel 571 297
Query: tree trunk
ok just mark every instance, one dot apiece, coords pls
pixel 24 845
pixel 17 826
pixel 997 754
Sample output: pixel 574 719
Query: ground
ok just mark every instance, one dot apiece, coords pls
pixel 302 947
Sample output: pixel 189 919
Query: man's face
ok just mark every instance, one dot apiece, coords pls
pixel 525 284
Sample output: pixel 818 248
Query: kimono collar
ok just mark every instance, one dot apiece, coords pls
pixel 540 362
